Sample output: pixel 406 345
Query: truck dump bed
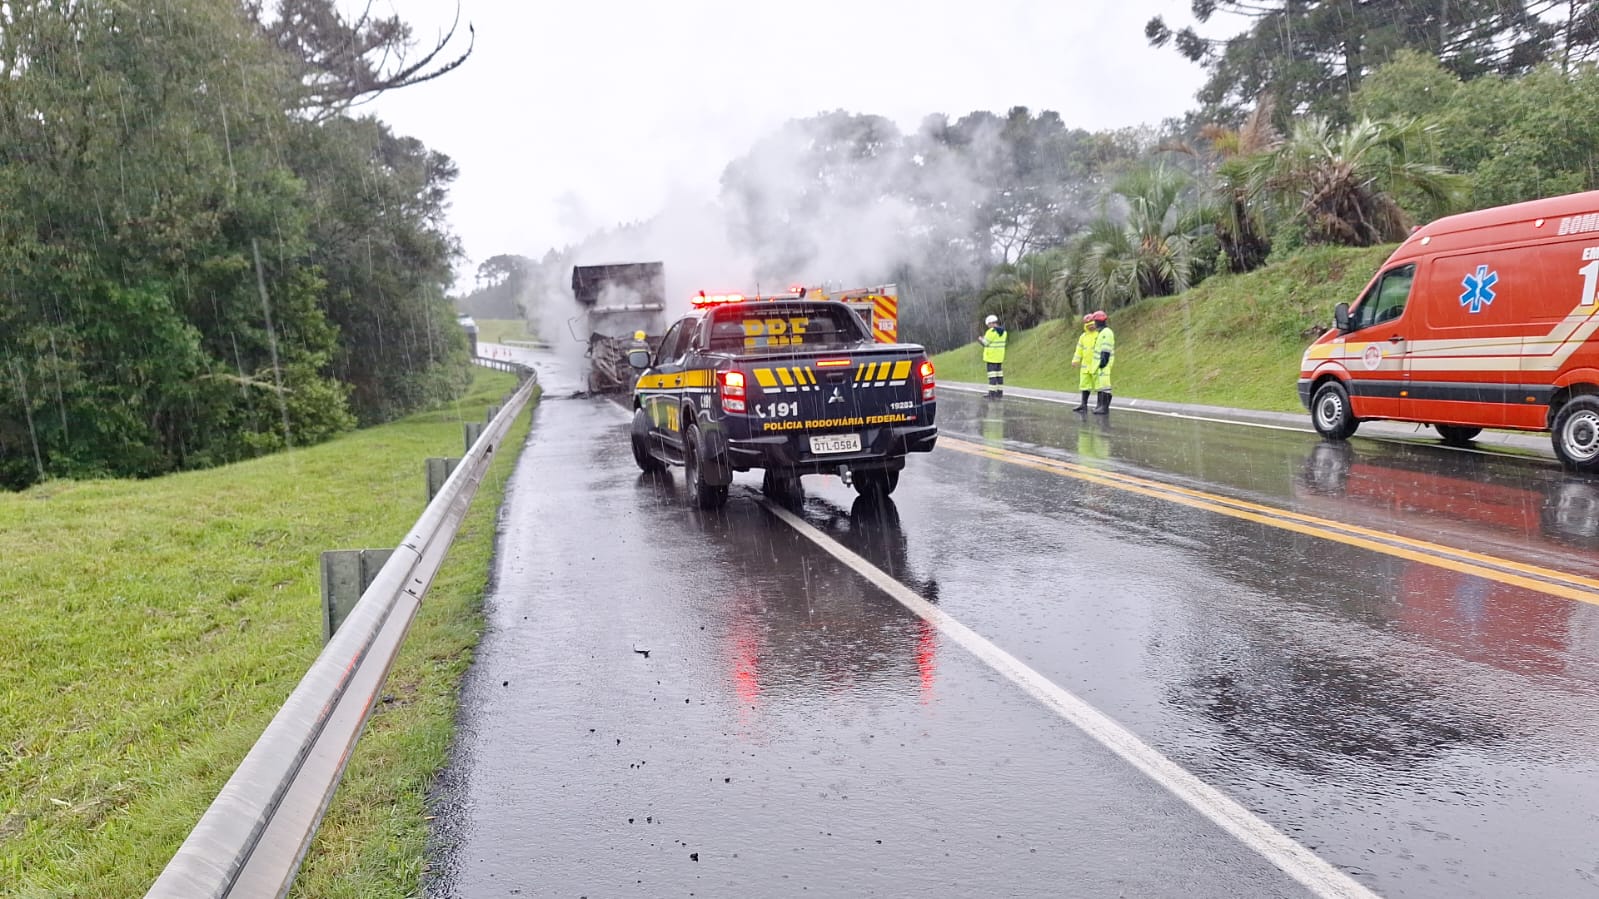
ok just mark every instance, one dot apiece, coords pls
pixel 618 301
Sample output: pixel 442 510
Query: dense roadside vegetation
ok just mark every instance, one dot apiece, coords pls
pixel 1233 341
pixel 153 627
pixel 203 256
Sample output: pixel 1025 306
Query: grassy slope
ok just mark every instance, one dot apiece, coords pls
pixel 152 629
pixel 498 330
pixel 1234 340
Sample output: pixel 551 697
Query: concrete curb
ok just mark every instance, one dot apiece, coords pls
pixel 1495 442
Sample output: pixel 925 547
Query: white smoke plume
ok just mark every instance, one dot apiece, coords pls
pixel 837 200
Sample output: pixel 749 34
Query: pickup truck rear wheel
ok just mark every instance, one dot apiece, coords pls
pixel 1576 433
pixel 1457 435
pixel 1331 413
pixel 706 496
pixel 782 488
pixel 878 482
pixel 647 462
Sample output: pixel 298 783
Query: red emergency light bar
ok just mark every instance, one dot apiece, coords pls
pixel 832 363
pixel 716 299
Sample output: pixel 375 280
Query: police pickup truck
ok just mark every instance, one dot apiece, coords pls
pixel 790 386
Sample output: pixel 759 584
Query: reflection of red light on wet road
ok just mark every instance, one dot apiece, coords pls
pixel 926 653
pixel 1479 620
pixel 746 669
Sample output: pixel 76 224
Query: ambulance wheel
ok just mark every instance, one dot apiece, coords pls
pixel 647 462
pixel 875 483
pixel 1457 435
pixel 706 496
pixel 1330 412
pixel 1576 433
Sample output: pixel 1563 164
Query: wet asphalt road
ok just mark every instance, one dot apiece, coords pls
pixel 1428 728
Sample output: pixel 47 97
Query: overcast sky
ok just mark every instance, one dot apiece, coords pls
pixel 571 116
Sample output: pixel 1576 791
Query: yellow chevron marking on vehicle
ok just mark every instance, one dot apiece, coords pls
pixel 1516 574
pixel 902 369
pixel 698 377
pixel 783 375
pixel 810 377
pixel 799 376
pixel 858 370
pixel 763 377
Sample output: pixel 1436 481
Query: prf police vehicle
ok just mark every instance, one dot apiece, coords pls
pixel 789 385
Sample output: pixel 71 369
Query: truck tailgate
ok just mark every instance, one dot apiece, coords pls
pixel 846 391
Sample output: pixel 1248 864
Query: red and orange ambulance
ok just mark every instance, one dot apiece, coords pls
pixel 1480 320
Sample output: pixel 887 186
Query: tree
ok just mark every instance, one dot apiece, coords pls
pixel 1027 291
pixel 190 272
pixel 504 287
pixel 1224 154
pixel 155 317
pixel 379 240
pixel 341 63
pixel 1153 250
pixel 1340 184
pixel 1312 54
pixel 1523 138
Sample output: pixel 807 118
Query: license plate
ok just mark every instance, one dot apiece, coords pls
pixel 836 443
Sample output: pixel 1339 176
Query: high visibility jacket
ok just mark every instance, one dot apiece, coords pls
pixel 994 345
pixel 1088 357
pixel 1106 343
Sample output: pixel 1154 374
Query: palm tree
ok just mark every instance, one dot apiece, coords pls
pixel 1341 184
pixel 1240 227
pixel 1151 253
pixel 1022 293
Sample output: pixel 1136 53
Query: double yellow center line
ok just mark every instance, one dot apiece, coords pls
pixel 1505 571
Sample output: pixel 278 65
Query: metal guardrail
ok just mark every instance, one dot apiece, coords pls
pixel 502 365
pixel 251 840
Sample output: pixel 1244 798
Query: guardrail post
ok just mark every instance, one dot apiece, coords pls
pixel 474 430
pixel 439 470
pixel 346 573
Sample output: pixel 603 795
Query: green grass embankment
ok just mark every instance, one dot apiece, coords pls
pixel 152 629
pixel 496 330
pixel 1235 340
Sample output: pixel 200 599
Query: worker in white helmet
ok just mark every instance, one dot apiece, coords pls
pixel 993 341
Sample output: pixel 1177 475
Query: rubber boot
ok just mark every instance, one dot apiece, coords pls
pixel 1082 405
pixel 1104 403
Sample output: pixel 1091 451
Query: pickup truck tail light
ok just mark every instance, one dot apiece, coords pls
pixel 924 374
pixel 730 386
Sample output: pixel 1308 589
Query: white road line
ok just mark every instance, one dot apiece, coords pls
pixel 1295 860
pixel 1381 438
pixel 1130 408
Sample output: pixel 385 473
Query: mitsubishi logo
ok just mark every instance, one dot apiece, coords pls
pixel 836 397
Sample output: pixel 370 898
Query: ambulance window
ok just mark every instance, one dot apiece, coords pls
pixel 1386 301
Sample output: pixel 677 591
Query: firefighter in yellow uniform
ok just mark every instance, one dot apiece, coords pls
pixel 993 341
pixel 1086 358
pixel 1105 348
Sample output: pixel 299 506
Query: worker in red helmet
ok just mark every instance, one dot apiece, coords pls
pixel 1105 350
pixel 1086 358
